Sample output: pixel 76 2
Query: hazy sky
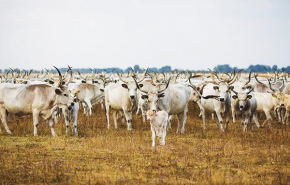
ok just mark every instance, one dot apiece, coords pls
pixel 185 34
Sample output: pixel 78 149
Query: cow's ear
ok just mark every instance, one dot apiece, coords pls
pixel 57 91
pixel 235 97
pixel 274 95
pixel 216 87
pixel 249 97
pixel 140 85
pixel 144 97
pixel 125 86
pixel 160 96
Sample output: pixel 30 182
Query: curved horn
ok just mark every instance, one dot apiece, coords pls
pixel 257 79
pixel 235 77
pixel 59 77
pixel 285 78
pixel 152 80
pixel 235 92
pixel 176 77
pixel 120 76
pixel 12 72
pixel 70 74
pixel 163 89
pixel 276 75
pixel 190 81
pixel 281 87
pixel 143 76
pixel 270 86
pixel 84 78
pixel 250 91
pixel 139 87
pixel 249 77
pixel 212 76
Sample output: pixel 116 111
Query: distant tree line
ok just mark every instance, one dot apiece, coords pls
pixel 225 68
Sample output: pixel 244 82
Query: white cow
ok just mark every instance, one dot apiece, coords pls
pixel 89 94
pixel 120 97
pixel 38 100
pixel 172 98
pixel 158 122
pixel 219 106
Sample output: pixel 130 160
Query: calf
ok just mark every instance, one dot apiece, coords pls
pixel 158 121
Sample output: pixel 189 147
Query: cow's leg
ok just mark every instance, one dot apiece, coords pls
pixel 89 106
pixel 162 140
pixel 115 117
pixel 286 116
pixel 75 112
pixel 153 136
pixel 169 121
pixel 108 114
pixel 251 122
pixel 203 117
pixel 128 116
pixel 102 103
pixel 51 124
pixel 35 115
pixel 179 120
pixel 182 117
pixel 219 121
pixel 84 104
pixel 233 113
pixel 65 113
pixel 227 116
pixel 255 119
pixel 138 108
pixel 278 111
pixel 4 120
pixel 143 116
pixel 283 112
pixel 268 118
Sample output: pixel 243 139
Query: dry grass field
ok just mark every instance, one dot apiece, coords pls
pixel 101 156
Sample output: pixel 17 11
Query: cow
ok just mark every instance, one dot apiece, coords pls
pixel 219 106
pixel 246 105
pixel 89 94
pixel 158 122
pixel 266 102
pixel 37 99
pixel 121 96
pixel 172 98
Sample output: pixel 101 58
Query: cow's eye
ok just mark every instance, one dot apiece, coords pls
pixel 65 94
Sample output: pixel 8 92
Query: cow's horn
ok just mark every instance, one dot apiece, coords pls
pixel 59 77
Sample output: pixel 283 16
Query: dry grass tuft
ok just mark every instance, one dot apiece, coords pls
pixel 101 156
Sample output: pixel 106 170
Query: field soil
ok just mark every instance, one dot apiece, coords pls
pixel 117 156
